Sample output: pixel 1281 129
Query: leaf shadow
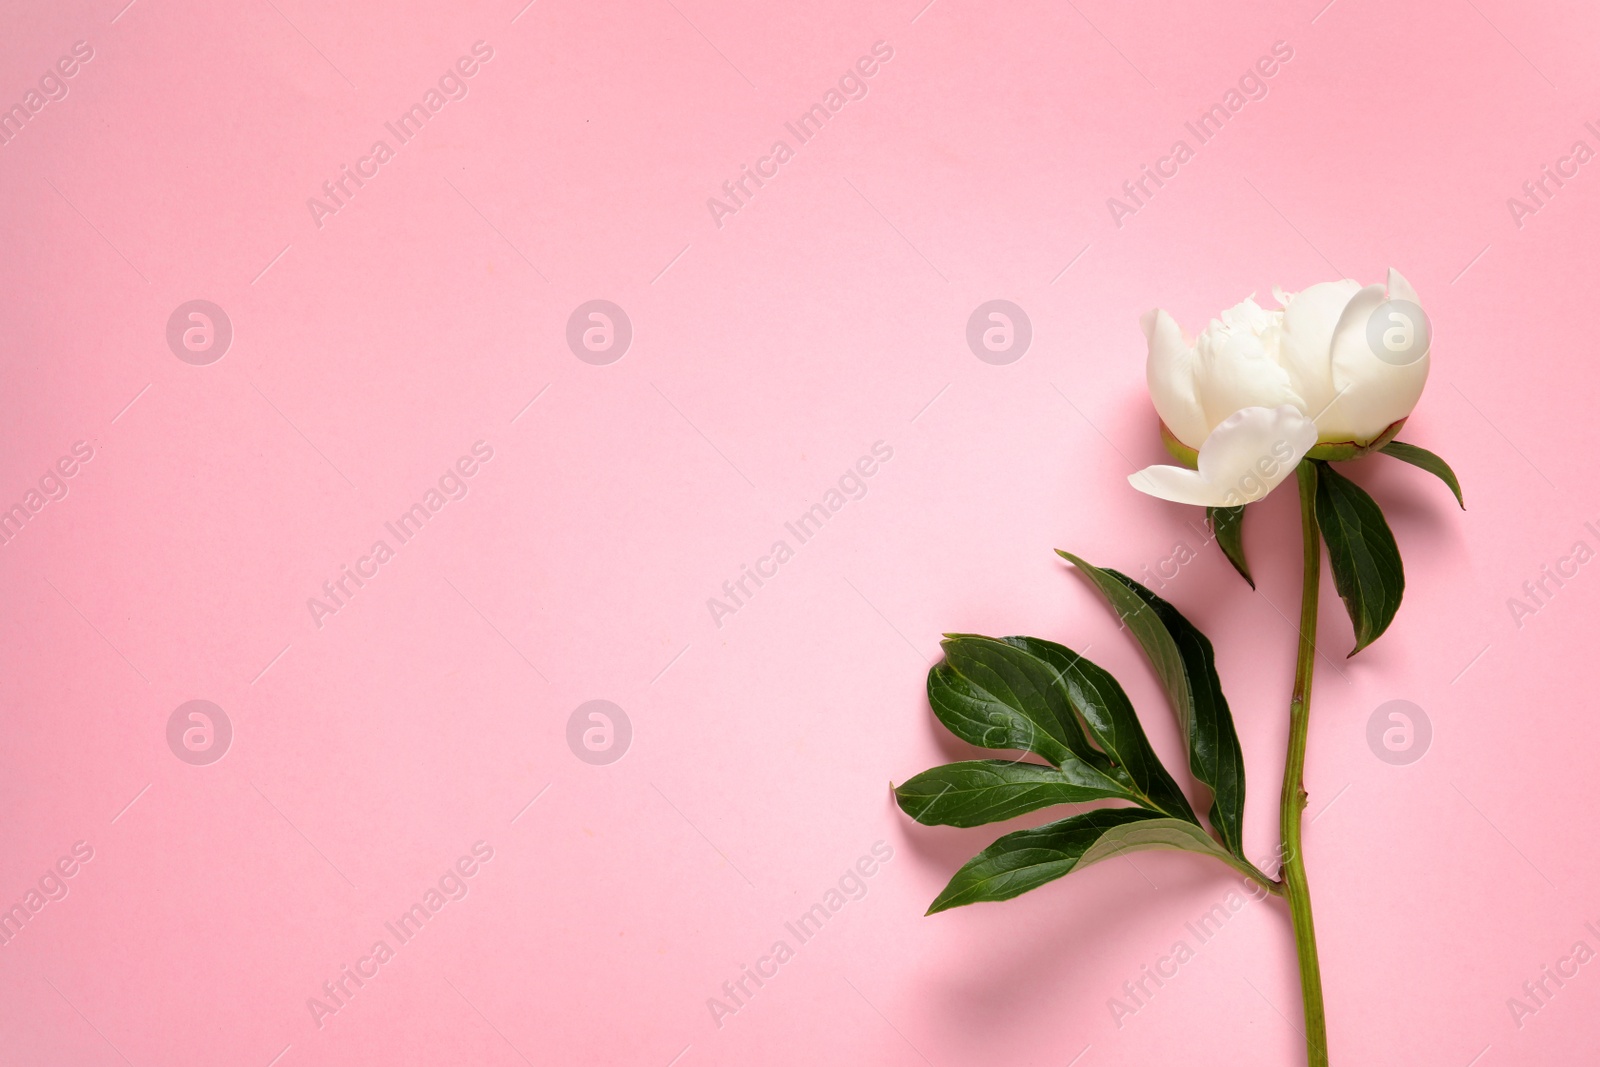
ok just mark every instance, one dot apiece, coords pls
pixel 1055 948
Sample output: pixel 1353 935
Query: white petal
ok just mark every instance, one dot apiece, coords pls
pixel 1400 289
pixel 1309 319
pixel 1170 375
pixel 1249 315
pixel 1372 392
pixel 1237 371
pixel 1177 484
pixel 1243 460
pixel 1255 449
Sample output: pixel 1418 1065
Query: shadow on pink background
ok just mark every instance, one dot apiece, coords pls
pixel 407 743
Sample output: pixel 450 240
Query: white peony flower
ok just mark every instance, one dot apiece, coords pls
pixel 1332 374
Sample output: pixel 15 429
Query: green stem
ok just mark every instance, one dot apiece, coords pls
pixel 1293 803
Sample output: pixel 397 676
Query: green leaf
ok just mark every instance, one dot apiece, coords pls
pixel 1227 526
pixel 1028 859
pixel 1147 628
pixel 1032 695
pixel 1215 758
pixel 1421 457
pixel 1367 570
pixel 976 792
pixel 994 695
pixel 1095 696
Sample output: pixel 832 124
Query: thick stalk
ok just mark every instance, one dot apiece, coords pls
pixel 1293 804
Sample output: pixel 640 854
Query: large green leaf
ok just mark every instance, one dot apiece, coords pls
pixel 1185 666
pixel 976 792
pixel 1028 859
pixel 995 695
pixel 1147 628
pixel 1367 570
pixel 1096 697
pixel 1421 457
pixel 1215 758
pixel 1227 526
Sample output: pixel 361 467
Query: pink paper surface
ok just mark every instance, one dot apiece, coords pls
pixel 408 336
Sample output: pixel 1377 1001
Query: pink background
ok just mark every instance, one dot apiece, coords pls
pixel 768 355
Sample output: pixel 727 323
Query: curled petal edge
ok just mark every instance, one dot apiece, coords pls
pixel 1248 455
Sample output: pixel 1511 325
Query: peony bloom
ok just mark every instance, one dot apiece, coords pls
pixel 1332 374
